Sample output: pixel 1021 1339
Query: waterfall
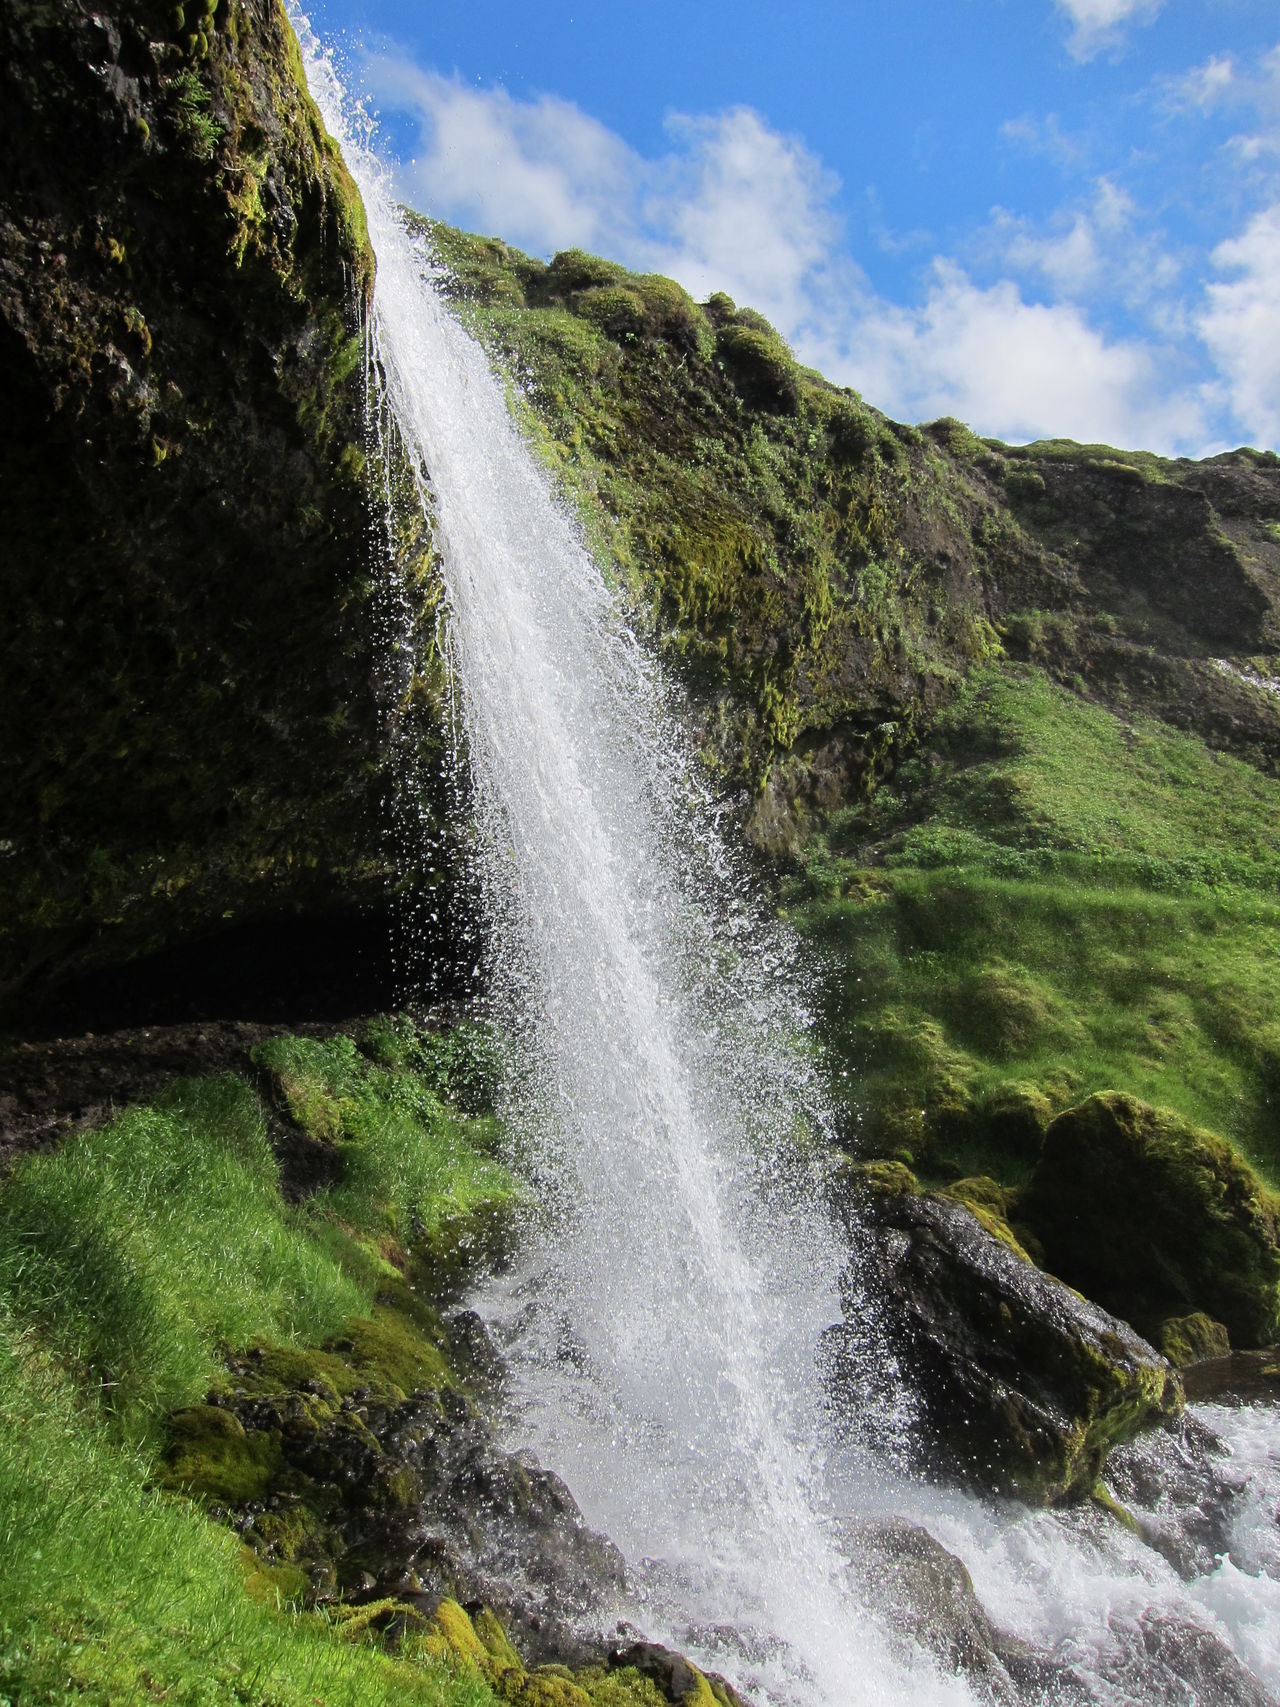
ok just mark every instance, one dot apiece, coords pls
pixel 665 1322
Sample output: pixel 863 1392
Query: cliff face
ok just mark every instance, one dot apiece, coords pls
pixel 823 578
pixel 188 732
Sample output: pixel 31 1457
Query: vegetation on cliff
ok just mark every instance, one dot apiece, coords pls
pixel 189 732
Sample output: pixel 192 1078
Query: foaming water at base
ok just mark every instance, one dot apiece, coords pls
pixel 665 1324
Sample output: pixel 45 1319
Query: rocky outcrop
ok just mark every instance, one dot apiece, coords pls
pixel 1157 1219
pixel 189 732
pixel 1023 1385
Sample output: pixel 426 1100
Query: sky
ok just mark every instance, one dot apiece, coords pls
pixel 1050 218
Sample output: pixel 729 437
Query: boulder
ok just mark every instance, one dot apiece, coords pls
pixel 927 1598
pixel 1023 1386
pixel 1156 1218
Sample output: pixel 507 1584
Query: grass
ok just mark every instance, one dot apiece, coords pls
pixel 137 1252
pixel 411 1166
pixel 1051 902
pixel 115 1594
pixel 132 1260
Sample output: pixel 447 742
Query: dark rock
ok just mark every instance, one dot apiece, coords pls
pixel 927 1598
pixel 1177 1484
pixel 1172 1660
pixel 1156 1218
pixel 1023 1385
pixel 1238 1377
pixel 190 733
pixel 412 1499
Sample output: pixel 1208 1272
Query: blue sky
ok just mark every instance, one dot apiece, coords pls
pixel 1048 217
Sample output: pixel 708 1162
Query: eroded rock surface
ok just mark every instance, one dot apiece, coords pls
pixel 1023 1385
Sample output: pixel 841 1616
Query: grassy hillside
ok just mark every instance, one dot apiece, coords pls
pixel 823 579
pixel 1050 900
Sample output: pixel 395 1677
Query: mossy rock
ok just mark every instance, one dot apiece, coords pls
pixel 1193 1339
pixel 1154 1218
pixel 1023 1385
pixel 761 366
pixel 1015 1117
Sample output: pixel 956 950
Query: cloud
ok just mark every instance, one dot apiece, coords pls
pixel 1204 86
pixel 542 173
pixel 1092 250
pixel 1241 324
pixel 732 204
pixel 1222 84
pixel 1022 369
pixel 1043 136
pixel 1099 24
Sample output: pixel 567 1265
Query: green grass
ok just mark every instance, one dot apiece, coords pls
pixel 136 1252
pixel 411 1167
pixel 132 1260
pixel 114 1594
pixel 1052 898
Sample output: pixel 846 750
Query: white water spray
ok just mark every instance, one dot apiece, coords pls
pixel 665 1328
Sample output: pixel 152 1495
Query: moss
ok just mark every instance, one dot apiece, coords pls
pixel 210 1455
pixel 1106 1501
pixel 477 1641
pixel 761 365
pixel 1156 1218
pixel 1191 1339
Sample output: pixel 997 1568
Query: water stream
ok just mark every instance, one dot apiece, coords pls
pixel 663 1325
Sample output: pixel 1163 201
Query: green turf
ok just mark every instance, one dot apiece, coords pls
pixel 113 1595
pixel 131 1260
pixel 1056 898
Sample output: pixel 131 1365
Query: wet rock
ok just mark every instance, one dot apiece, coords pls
pixel 374 1496
pixel 1156 1218
pixel 927 1599
pixel 1177 1484
pixel 679 1681
pixel 1023 1385
pixel 1193 1339
pixel 1236 1377
pixel 1171 1659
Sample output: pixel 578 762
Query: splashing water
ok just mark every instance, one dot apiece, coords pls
pixel 664 1324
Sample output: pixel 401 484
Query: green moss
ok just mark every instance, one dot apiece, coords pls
pixel 1155 1218
pixel 1191 1339
pixel 210 1454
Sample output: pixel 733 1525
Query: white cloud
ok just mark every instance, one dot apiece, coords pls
pixel 1020 369
pixel 1241 324
pixel 1204 86
pixel 1044 136
pixel 1099 24
pixel 731 204
pixel 1091 250
pixel 542 174
pixel 743 209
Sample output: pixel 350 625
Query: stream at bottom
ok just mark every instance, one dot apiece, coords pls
pixel 936 1596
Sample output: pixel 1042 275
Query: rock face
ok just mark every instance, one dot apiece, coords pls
pixel 188 723
pixel 1206 1237
pixel 364 1493
pixel 1023 1385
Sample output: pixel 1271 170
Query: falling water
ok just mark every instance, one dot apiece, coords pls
pixel 666 1319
